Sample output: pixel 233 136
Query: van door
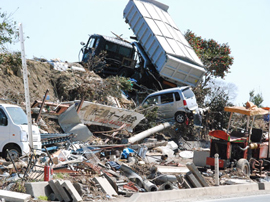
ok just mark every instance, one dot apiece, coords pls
pixel 4 129
pixel 190 98
pixel 166 106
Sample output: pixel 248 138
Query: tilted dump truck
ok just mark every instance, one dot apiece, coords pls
pixel 163 42
pixel 160 57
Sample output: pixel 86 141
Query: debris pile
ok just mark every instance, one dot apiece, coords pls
pixel 93 150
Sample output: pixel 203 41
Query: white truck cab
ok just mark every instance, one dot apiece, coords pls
pixel 14 134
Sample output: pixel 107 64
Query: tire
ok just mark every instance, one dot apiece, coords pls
pixel 180 117
pixel 243 165
pixel 14 151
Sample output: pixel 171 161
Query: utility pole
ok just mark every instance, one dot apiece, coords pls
pixel 26 87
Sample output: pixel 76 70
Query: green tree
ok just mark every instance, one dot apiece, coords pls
pixel 217 62
pixel 216 59
pixel 8 32
pixel 256 99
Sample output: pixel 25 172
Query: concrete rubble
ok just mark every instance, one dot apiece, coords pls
pixel 94 152
pixel 94 169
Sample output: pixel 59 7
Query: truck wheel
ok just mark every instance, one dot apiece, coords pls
pixel 180 117
pixel 243 165
pixel 14 151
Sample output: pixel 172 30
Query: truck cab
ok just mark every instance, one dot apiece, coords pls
pixel 14 135
pixel 119 55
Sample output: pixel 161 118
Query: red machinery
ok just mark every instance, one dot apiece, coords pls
pixel 244 148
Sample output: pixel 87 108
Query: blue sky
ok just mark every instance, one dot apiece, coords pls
pixel 56 28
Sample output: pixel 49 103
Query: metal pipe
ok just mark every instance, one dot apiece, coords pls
pixel 132 175
pixel 166 186
pixel 251 146
pixel 229 122
pixel 148 132
pixel 42 105
pixel 80 104
pixel 244 149
pixel 165 178
pixel 149 186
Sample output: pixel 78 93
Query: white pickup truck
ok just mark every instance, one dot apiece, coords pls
pixel 14 134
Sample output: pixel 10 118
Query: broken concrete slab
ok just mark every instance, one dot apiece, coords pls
pixel 11 196
pixel 55 189
pixel 105 186
pixel 197 174
pixel 79 187
pixel 192 180
pixel 36 189
pixel 62 191
pixel 67 185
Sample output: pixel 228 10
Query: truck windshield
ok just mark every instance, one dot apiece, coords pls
pixel 17 115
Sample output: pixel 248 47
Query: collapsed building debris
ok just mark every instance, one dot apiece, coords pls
pixel 93 153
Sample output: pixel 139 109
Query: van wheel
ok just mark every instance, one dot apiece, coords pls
pixel 243 165
pixel 180 117
pixel 14 151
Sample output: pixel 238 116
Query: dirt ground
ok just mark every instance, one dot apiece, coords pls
pixel 41 77
pixel 62 85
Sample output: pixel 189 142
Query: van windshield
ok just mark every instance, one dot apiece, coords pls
pixel 188 93
pixel 17 115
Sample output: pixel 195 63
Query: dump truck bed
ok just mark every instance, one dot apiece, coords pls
pixel 163 42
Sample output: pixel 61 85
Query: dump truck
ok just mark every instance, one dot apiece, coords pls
pixel 245 147
pixel 159 56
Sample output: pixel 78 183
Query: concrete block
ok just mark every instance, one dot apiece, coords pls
pixel 68 186
pixel 56 190
pixel 11 196
pixel 36 189
pixel 105 186
pixel 199 158
pixel 79 188
pixel 192 180
pixel 197 174
pixel 65 196
pixel 267 185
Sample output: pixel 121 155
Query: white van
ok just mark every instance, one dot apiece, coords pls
pixel 174 103
pixel 14 132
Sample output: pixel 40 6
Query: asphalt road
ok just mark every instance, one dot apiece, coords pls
pixel 262 196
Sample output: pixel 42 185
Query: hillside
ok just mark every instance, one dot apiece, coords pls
pixel 63 85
